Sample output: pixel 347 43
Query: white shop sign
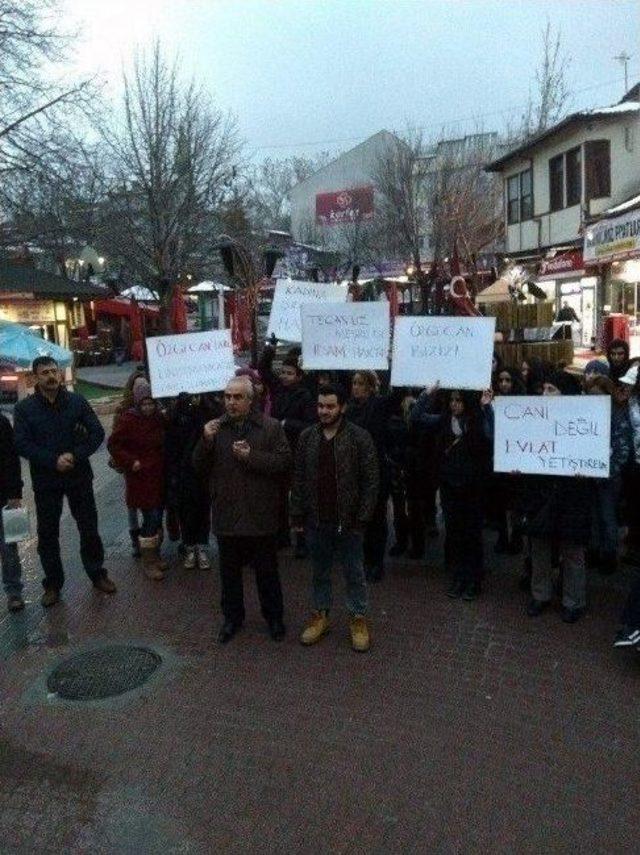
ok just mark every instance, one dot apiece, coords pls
pixel 455 352
pixel 289 296
pixel 190 362
pixel 346 336
pixel 553 435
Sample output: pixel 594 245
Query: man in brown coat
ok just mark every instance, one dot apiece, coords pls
pixel 245 454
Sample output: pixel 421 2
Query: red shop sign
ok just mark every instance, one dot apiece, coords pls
pixel 568 262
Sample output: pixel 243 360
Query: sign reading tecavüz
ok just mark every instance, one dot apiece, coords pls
pixel 289 296
pixel 455 352
pixel 554 435
pixel 347 336
pixel 190 362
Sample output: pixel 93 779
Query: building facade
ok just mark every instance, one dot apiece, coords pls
pixel 555 185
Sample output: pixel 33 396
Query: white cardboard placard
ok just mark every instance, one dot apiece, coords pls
pixel 190 362
pixel 289 296
pixel 553 435
pixel 348 336
pixel 455 352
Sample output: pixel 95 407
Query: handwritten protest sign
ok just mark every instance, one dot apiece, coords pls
pixel 289 296
pixel 553 435
pixel 191 362
pixel 345 336
pixel 455 352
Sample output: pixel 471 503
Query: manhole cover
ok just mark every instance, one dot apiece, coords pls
pixel 103 673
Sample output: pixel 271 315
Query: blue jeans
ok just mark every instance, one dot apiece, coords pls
pixel 11 567
pixel 151 521
pixel 328 545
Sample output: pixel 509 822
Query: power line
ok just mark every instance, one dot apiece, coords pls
pixel 431 126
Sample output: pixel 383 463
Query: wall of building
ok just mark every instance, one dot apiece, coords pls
pixel 354 168
pixel 564 226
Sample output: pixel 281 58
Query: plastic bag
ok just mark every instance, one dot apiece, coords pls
pixel 15 524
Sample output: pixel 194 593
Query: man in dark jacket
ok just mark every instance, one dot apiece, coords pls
pixel 618 359
pixel 244 454
pixel 57 432
pixel 11 496
pixel 334 494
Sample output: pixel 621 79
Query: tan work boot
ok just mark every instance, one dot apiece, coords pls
pixel 150 549
pixel 360 638
pixel 317 626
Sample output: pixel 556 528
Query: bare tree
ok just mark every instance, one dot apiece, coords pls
pixel 400 176
pixel 36 104
pixel 269 185
pixel 57 211
pixel 463 206
pixel 173 159
pixel 549 102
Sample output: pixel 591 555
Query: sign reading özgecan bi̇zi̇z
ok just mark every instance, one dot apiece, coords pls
pixel 289 296
pixel 191 362
pixel 455 352
pixel 346 336
pixel 553 435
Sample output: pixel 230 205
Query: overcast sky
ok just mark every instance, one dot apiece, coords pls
pixel 307 75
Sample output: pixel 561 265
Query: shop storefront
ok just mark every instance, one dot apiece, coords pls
pixel 565 280
pixel 612 248
pixel 50 305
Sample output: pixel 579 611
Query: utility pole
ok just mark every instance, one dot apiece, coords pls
pixel 623 59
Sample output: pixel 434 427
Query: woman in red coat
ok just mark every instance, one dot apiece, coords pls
pixel 137 445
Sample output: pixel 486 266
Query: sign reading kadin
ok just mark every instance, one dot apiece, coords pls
pixel 455 352
pixel 554 435
pixel 346 336
pixel 190 362
pixel 289 296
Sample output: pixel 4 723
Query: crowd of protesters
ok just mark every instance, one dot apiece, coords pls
pixel 325 457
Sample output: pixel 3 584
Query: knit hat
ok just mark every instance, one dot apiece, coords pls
pixel 141 390
pixel 631 377
pixel 567 384
pixel 596 366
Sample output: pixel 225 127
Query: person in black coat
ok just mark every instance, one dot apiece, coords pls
pixel 370 411
pixel 463 456
pixel 57 431
pixel 293 405
pixel 11 496
pixel 556 511
pixel 187 492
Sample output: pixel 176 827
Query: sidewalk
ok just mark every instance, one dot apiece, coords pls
pixel 110 376
pixel 467 728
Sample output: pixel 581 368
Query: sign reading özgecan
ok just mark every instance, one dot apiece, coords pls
pixel 344 206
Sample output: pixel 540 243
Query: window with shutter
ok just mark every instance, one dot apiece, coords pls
pixel 574 177
pixel 598 168
pixel 556 183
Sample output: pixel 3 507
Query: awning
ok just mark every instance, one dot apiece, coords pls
pixel 498 292
pixel 122 308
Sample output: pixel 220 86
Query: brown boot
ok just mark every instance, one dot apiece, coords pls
pixel 150 549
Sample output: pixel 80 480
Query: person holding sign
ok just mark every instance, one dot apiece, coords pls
pixel 371 412
pixel 463 462
pixel 245 455
pixel 557 511
pixel 333 498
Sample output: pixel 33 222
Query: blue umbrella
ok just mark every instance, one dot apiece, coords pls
pixel 20 346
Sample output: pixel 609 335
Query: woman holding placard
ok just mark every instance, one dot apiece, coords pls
pixel 557 512
pixel 370 411
pixel 463 458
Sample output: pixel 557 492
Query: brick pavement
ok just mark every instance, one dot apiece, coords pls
pixel 468 728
